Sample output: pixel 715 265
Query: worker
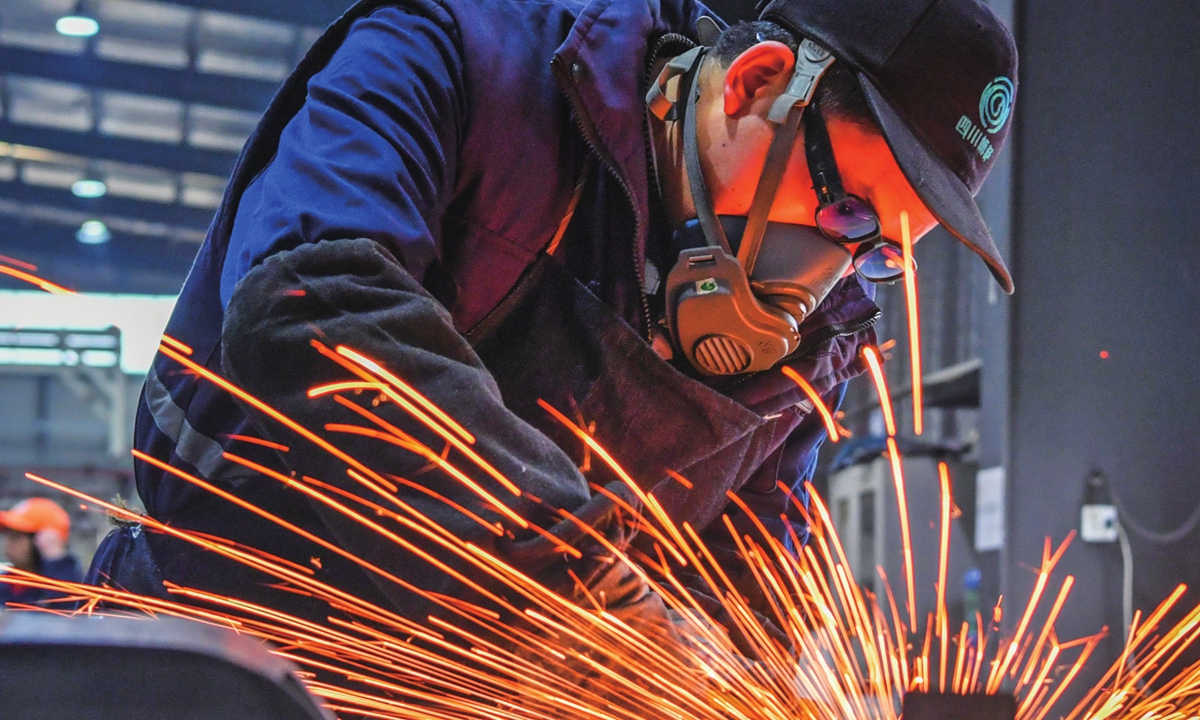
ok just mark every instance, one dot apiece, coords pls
pixel 36 534
pixel 618 207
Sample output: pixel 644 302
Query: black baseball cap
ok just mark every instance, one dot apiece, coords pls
pixel 940 77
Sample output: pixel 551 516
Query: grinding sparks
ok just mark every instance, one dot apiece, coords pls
pixel 875 366
pixel 831 425
pixel 914 324
pixel 897 463
pixel 518 650
pixel 943 629
pixel 24 272
pixel 176 345
pixel 18 263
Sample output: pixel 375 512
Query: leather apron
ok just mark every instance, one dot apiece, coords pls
pixel 552 339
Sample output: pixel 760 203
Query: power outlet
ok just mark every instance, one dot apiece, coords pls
pixel 1098 523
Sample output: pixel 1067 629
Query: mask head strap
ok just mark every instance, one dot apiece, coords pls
pixel 687 68
pixel 661 106
pixel 812 61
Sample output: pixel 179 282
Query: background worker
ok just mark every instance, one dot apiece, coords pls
pixel 503 222
pixel 36 533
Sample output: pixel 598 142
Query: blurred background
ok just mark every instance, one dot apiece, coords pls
pixel 120 121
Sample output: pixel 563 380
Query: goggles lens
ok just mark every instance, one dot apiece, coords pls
pixel 849 220
pixel 882 262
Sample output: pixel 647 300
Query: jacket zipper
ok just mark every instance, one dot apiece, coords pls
pixel 566 84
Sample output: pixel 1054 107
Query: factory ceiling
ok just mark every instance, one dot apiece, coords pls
pixel 132 113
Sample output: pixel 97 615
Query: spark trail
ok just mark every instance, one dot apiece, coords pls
pixel 24 272
pixel 520 650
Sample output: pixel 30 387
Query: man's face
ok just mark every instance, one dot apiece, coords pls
pixel 735 135
pixel 19 549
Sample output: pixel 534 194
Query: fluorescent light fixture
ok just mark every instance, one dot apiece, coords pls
pixel 93 232
pixel 77 26
pixel 89 189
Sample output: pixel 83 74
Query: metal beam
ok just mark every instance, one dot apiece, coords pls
pixel 186 85
pixel 170 214
pixel 127 264
pixel 162 155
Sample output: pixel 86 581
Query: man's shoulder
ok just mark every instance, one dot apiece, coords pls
pixel 511 22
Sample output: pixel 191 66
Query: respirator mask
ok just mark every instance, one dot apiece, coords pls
pixel 742 286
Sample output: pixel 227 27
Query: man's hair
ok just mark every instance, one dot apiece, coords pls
pixel 838 93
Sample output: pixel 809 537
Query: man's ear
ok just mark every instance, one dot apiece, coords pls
pixel 758 68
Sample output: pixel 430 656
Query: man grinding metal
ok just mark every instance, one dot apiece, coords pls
pixel 614 206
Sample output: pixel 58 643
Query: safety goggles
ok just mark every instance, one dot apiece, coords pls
pixel 847 219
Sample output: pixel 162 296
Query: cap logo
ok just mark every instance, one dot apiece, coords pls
pixel 996 104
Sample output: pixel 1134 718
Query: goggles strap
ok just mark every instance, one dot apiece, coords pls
pixel 819 152
pixel 714 233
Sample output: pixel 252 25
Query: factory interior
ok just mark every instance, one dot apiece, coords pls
pixel 1068 410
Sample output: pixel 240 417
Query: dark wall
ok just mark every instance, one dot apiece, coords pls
pixel 1107 259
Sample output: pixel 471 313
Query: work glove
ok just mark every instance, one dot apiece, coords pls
pixel 599 577
pixel 598 573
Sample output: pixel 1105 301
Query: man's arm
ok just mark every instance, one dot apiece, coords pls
pixel 371 154
pixel 352 292
pixel 330 243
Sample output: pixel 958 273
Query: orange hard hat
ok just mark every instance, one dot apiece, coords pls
pixel 36 514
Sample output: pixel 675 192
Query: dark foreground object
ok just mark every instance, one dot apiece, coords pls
pixel 936 706
pixel 117 669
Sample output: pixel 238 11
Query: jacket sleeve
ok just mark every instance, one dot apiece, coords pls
pixel 331 242
pixel 353 293
pixel 371 154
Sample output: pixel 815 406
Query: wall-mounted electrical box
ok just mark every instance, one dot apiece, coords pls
pixel 1098 523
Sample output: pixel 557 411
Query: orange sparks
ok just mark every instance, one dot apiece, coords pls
pixel 35 281
pixel 943 630
pixel 905 534
pixel 408 390
pixel 596 448
pixel 875 365
pixel 260 442
pixel 185 349
pixel 1048 562
pixel 18 263
pixel 831 426
pixel 687 484
pixel 914 324
pixel 515 649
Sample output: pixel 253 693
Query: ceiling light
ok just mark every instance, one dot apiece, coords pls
pixel 89 189
pixel 77 26
pixel 93 232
